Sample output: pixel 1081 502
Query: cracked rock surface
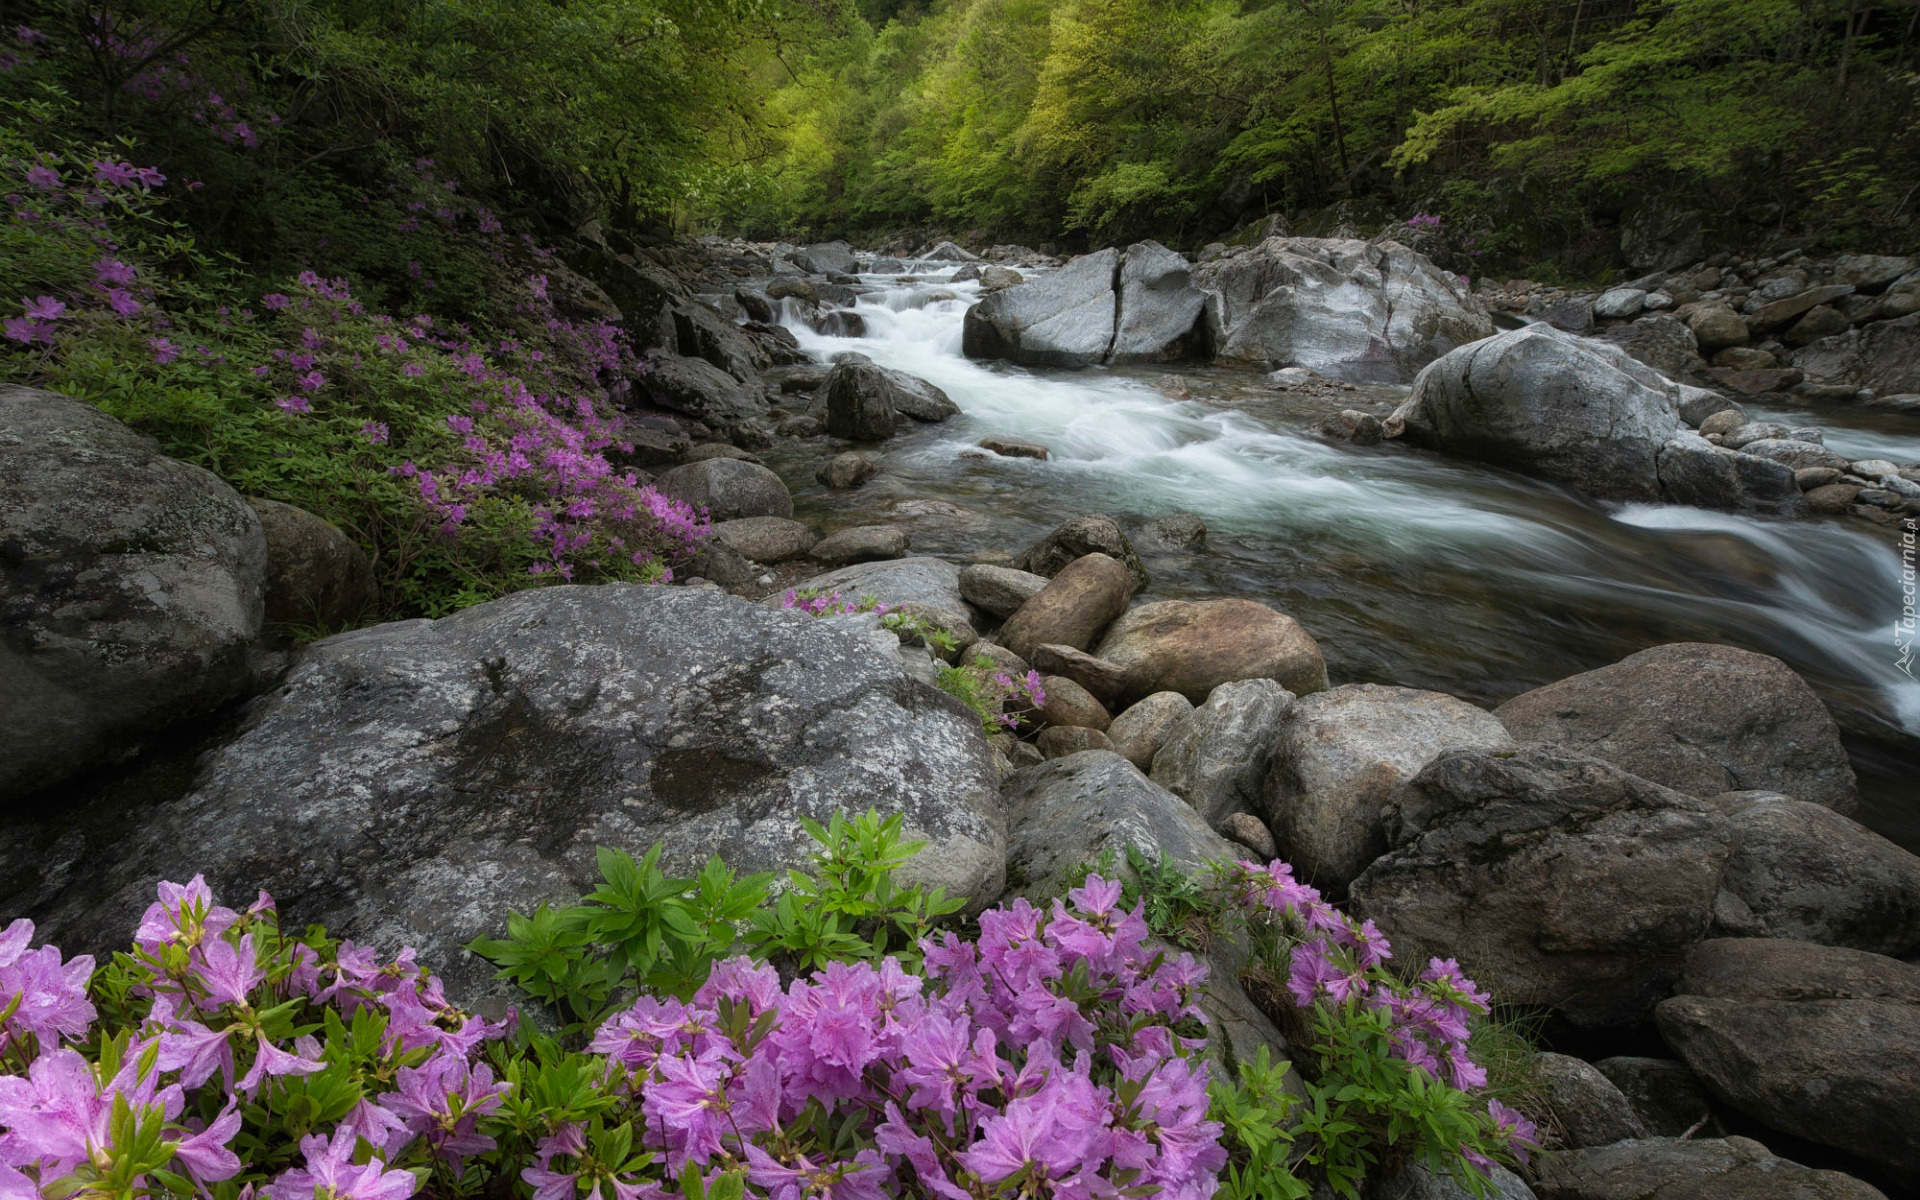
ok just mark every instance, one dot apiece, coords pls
pixel 411 783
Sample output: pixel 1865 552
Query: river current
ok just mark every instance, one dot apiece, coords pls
pixel 1409 567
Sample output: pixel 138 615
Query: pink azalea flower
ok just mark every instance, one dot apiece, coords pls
pixel 183 915
pixel 44 179
pixel 329 1171
pixel 164 351
pixel 44 308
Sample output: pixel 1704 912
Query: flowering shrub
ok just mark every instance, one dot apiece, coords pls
pixel 468 463
pixel 1059 1051
pixel 1390 1071
pixel 1004 702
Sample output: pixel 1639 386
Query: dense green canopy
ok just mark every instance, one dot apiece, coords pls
pixel 1525 122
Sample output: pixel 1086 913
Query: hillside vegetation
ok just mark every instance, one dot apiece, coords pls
pixel 1534 128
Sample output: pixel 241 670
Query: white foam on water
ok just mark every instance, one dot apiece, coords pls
pixel 1818 594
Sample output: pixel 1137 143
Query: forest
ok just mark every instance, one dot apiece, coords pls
pixel 1536 130
pixel 959 599
pixel 1532 127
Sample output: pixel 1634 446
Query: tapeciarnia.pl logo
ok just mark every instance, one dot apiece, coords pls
pixel 1904 627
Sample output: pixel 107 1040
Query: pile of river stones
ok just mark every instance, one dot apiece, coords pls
pixel 1657 852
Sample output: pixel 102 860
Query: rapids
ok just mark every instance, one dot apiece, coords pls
pixel 1409 567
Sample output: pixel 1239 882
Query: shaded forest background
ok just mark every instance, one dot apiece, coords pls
pixel 1538 131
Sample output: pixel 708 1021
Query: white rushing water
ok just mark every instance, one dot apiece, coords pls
pixel 1410 567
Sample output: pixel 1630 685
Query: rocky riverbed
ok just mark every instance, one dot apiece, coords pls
pixel 1524 647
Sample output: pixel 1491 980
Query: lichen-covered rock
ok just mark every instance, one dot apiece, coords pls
pixel 412 782
pixel 1071 810
pixel 1666 1168
pixel 1094 533
pixel 1342 756
pixel 1803 871
pixel 1217 756
pixel 927 586
pixel 131 585
pixel 1698 718
pixel 1348 309
pixel 1819 1042
pixel 1555 879
pixel 728 488
pixel 315 573
pixel 1583 1105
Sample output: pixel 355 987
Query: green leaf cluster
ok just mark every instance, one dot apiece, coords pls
pixel 644 930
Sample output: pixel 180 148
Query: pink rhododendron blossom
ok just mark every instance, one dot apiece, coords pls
pixel 329 1173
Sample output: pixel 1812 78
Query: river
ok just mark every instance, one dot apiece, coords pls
pixel 1409 567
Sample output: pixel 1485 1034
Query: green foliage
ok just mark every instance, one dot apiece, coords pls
pixel 292 387
pixel 1349 1103
pixel 644 930
pixel 641 928
pixel 1106 120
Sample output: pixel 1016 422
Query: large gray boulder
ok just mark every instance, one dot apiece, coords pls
pixel 928 588
pixel 1216 757
pixel 1557 880
pixel 1348 309
pixel 1803 871
pixel 1699 718
pixel 1672 1168
pixel 825 258
pixel 1661 342
pixel 1341 757
pixel 1572 411
pixel 1815 1041
pixel 1061 319
pixel 131 585
pixel 1417 1182
pixel 863 400
pixel 1159 307
pixel 412 782
pixel 1072 810
pixel 1884 356
pixel 1583 1105
pixel 1135 306
pixel 700 389
pixel 728 488
pixel 1694 471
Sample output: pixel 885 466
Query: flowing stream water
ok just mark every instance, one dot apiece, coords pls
pixel 1409 567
